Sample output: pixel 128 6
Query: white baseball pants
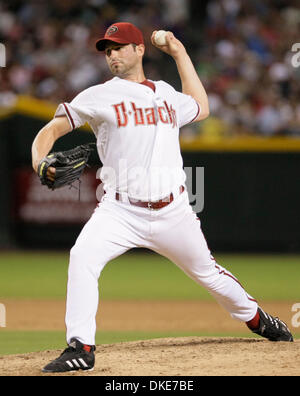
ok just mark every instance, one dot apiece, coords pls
pixel 173 231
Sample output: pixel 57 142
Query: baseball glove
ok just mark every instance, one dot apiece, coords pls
pixel 68 165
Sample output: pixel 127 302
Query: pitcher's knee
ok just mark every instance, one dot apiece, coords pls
pixel 82 262
pixel 207 276
pixel 76 254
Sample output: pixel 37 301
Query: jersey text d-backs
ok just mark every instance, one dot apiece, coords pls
pixel 137 131
pixel 147 116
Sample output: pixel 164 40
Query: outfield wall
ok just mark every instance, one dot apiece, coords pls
pixel 251 195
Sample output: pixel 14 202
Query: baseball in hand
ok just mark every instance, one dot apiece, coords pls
pixel 160 37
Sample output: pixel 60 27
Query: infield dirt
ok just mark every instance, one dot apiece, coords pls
pixel 196 356
pixel 189 356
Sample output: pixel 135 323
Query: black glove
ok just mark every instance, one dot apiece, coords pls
pixel 68 165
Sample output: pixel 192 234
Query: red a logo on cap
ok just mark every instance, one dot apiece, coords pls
pixel 112 30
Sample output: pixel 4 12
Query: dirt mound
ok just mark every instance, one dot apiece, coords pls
pixel 187 356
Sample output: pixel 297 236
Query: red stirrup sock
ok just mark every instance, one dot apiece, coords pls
pixel 87 348
pixel 253 324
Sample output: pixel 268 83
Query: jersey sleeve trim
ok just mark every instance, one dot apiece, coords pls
pixel 69 116
pixel 198 112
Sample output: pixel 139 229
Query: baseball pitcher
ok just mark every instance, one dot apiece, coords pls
pixel 136 123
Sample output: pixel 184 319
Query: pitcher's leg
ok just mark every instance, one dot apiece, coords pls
pixel 103 238
pixel 85 267
pixel 185 245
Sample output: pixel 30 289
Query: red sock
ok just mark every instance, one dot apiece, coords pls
pixel 87 348
pixel 253 324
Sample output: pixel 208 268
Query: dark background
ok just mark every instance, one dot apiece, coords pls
pixel 241 50
pixel 251 199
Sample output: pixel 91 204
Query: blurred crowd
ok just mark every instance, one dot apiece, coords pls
pixel 246 64
pixel 242 50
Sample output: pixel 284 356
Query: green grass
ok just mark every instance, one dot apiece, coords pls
pixel 139 276
pixel 19 342
pixel 16 341
pixel 135 276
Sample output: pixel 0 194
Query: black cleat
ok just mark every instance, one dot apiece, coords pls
pixel 73 358
pixel 273 329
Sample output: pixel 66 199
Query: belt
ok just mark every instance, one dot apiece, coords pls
pixel 152 205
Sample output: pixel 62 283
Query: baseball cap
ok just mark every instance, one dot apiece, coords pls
pixel 122 33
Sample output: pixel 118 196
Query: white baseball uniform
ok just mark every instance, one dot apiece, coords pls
pixel 137 130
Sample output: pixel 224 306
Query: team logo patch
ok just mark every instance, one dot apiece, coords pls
pixel 112 30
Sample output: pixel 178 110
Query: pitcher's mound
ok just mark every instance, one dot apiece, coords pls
pixel 187 356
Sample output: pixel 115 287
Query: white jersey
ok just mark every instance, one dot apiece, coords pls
pixel 137 131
